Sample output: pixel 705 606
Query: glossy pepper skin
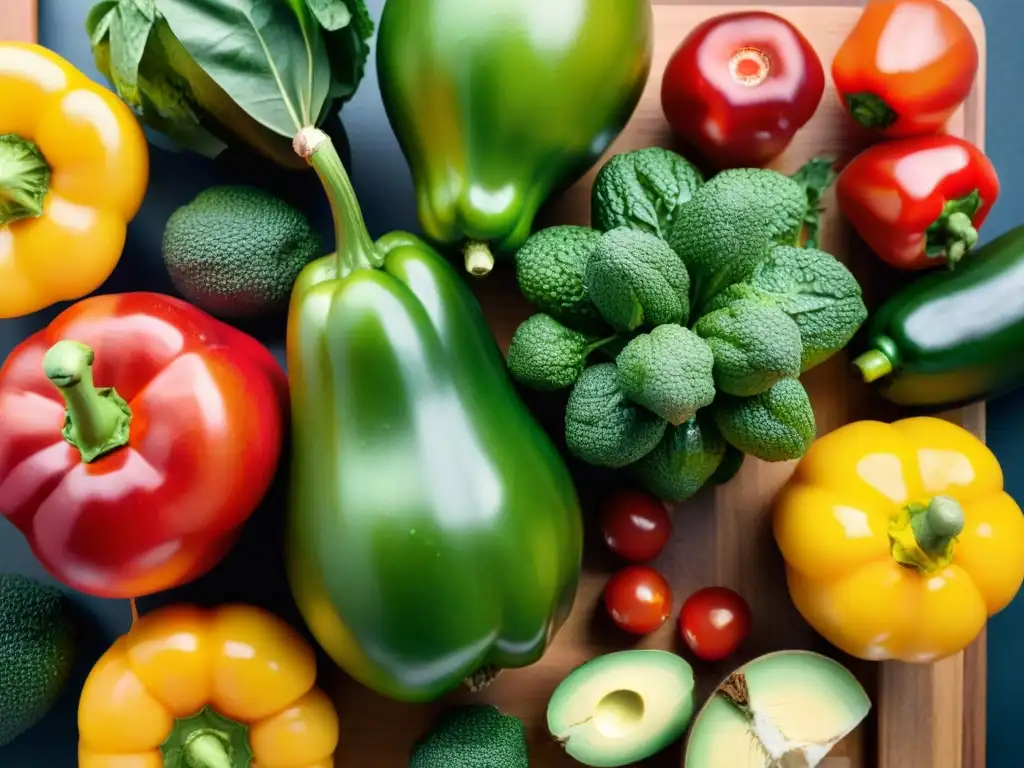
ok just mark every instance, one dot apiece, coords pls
pixel 139 435
pixel 499 104
pixel 899 539
pixel 434 531
pixel 740 86
pixel 74 166
pixel 906 66
pixel 919 202
pixel 228 687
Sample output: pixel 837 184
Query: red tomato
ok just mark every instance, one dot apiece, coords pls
pixel 740 85
pixel 638 599
pixel 636 525
pixel 714 622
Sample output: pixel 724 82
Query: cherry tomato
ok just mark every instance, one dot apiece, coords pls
pixel 740 86
pixel 906 66
pixel 714 622
pixel 638 599
pixel 636 525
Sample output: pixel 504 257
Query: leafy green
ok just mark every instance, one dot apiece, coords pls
pixel 688 456
pixel 546 355
pixel 754 344
pixel 636 279
pixel 642 190
pixel 776 425
pixel 550 269
pixel 668 372
pixel 602 427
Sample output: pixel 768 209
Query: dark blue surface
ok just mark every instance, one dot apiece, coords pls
pixel 382 182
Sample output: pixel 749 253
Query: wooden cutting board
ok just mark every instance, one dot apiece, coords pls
pixel 923 716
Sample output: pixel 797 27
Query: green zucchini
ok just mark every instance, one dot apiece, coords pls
pixel 954 337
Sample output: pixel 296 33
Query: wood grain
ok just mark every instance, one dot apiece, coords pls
pixel 925 716
pixel 18 20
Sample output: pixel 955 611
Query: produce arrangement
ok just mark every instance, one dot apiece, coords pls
pixel 434 534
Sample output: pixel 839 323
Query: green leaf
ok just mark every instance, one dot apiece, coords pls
pixel 98 21
pixel 129 32
pixel 349 51
pixel 331 14
pixel 267 55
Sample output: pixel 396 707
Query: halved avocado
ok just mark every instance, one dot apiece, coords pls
pixel 622 707
pixel 783 709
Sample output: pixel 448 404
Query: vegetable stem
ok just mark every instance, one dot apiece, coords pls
pixel 873 365
pixel 922 535
pixel 479 259
pixel 207 749
pixel 354 246
pixel 97 420
pixel 24 179
pixel 870 110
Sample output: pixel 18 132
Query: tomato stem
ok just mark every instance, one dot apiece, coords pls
pixel 97 420
pixel 750 66
pixel 24 179
pixel 354 247
pixel 870 110
pixel 478 257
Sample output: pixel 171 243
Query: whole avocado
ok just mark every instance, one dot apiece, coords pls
pixel 37 651
pixel 475 736
pixel 236 251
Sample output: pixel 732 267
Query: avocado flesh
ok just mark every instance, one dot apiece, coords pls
pixel 622 707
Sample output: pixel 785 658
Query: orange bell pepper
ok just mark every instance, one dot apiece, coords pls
pixel 231 687
pixel 74 166
pixel 899 539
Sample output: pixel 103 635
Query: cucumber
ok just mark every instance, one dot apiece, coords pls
pixel 952 338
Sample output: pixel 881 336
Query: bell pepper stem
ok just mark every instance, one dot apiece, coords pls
pixel 478 257
pixel 871 365
pixel 936 526
pixel 97 420
pixel 870 110
pixel 24 179
pixel 354 246
pixel 207 750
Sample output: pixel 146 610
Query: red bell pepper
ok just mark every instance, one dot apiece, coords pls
pixel 139 434
pixel 740 86
pixel 918 203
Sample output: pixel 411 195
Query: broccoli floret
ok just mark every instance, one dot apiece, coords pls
pixel 237 251
pixel 546 355
pixel 754 344
pixel 473 736
pixel 687 457
pixel 550 268
pixel 668 371
pixel 636 279
pixel 604 428
pixel 642 190
pixel 776 425
pixel 732 222
pixel 818 292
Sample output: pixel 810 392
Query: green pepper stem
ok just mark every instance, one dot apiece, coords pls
pixel 96 421
pixel 24 179
pixel 207 750
pixel 354 246
pixel 478 257
pixel 870 110
pixel 871 365
pixel 936 527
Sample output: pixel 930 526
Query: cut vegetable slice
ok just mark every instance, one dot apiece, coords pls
pixel 784 709
pixel 622 707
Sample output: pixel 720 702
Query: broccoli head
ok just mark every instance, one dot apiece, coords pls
pixel 602 427
pixel 755 345
pixel 687 457
pixel 635 279
pixel 668 371
pixel 546 355
pixel 776 425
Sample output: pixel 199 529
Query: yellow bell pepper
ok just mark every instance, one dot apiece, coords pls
pixel 231 687
pixel 899 539
pixel 74 166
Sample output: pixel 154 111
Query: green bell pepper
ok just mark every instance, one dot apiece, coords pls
pixel 434 532
pixel 499 103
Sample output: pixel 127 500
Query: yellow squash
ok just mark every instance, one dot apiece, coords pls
pixel 899 539
pixel 192 688
pixel 74 166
